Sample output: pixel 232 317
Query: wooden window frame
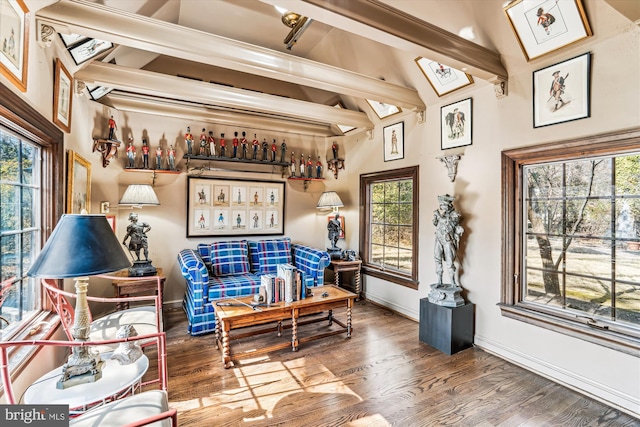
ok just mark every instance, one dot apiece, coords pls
pixel 512 303
pixel 412 172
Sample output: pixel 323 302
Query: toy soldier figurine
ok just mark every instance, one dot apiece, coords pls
pixel 265 146
pixel 309 167
pixel 274 148
pixel 255 144
pixel 131 154
pixel 318 168
pixel 212 144
pixel 244 144
pixel 145 154
pixel 203 143
pixel 301 165
pixel 112 129
pixel 188 138
pixel 235 145
pixel 222 145
pixel 283 151
pixel 293 166
pixel 158 158
pixel 172 158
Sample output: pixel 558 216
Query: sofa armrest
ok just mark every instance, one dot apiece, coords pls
pixel 311 261
pixel 193 269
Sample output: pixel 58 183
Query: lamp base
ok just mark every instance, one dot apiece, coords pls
pixel 142 268
pixel 74 372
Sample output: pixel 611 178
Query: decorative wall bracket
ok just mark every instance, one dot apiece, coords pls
pixel 451 162
pixel 335 165
pixel 500 88
pixel 108 148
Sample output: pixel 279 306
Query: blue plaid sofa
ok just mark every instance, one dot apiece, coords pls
pixel 218 270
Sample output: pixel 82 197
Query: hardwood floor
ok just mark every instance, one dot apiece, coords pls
pixel 382 376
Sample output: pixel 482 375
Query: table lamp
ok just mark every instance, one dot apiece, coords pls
pixel 330 199
pixel 80 246
pixel 139 195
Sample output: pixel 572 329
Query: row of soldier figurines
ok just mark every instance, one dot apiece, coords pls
pixel 239 148
pixel 169 157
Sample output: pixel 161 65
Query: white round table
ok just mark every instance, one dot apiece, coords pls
pixel 117 381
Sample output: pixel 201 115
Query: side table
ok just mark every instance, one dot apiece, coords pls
pixel 117 381
pixel 340 266
pixel 125 288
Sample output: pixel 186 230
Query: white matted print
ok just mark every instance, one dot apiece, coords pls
pixel 456 124
pixel 443 79
pixel 561 91
pixel 393 137
pixel 542 26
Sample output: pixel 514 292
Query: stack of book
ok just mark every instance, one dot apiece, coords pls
pixel 286 285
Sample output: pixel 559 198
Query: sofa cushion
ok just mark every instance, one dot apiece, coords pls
pixel 273 252
pixel 229 258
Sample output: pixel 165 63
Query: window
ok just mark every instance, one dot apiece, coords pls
pixel 572 231
pixel 31 196
pixel 390 223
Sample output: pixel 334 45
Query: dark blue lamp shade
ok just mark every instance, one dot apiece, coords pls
pixel 80 245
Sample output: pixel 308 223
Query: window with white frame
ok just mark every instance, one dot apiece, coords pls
pixel 390 223
pixel 572 238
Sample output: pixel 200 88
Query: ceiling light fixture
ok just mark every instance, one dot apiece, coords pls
pixel 296 22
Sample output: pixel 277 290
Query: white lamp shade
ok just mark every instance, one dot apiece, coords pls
pixel 329 199
pixel 139 195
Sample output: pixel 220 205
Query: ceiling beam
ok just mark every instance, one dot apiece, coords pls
pixel 189 111
pixel 385 24
pixel 157 84
pixel 153 35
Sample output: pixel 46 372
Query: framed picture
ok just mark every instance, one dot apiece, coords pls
pixel 62 96
pixel 71 40
pixel 341 221
pixel 99 91
pixel 455 122
pixel 542 26
pixel 383 110
pixel 234 207
pixel 78 184
pixel 561 91
pixel 393 137
pixel 112 221
pixel 104 207
pixel 443 79
pixel 14 41
pixel 89 49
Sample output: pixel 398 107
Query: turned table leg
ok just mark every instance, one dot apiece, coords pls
pixel 226 347
pixel 349 305
pixel 358 284
pixel 294 330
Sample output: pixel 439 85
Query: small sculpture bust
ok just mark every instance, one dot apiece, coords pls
pixel 127 352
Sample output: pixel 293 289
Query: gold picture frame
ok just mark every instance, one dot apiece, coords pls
pixel 14 41
pixel 543 26
pixel 62 96
pixel 383 110
pixel 442 78
pixel 78 184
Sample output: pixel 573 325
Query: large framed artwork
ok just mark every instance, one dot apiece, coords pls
pixel 90 48
pixel 456 120
pixel 78 184
pixel 14 41
pixel 234 207
pixel 62 97
pixel 393 137
pixel 383 110
pixel 443 79
pixel 542 26
pixel 561 91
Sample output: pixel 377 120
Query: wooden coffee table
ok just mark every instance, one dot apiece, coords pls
pixel 325 298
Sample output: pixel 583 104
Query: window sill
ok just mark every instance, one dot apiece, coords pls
pixel 390 277
pixel 591 333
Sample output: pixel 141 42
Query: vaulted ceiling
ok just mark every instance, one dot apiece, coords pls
pixel 225 61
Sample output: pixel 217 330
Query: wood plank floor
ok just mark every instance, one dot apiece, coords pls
pixel 382 376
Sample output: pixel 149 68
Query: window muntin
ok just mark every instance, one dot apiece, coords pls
pixel 389 243
pixel 576 245
pixel 582 193
pixel 20 222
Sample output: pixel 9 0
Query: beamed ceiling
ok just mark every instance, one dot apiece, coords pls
pixel 225 61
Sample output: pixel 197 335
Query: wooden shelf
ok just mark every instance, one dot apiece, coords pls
pixel 152 170
pixel 189 157
pixel 306 180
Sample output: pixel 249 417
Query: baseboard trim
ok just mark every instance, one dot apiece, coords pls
pixel 614 398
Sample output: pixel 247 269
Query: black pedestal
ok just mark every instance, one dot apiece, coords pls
pixel 449 329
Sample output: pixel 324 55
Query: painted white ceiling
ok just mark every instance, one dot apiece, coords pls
pixel 234 63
